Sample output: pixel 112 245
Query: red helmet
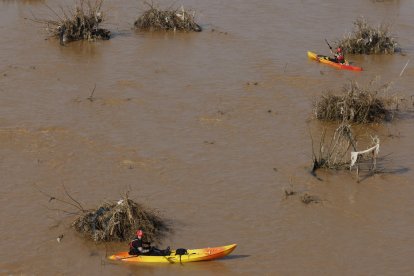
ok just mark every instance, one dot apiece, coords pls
pixel 140 233
pixel 339 50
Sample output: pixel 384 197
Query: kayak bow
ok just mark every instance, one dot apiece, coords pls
pixel 326 60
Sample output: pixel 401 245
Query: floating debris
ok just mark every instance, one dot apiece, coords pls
pixel 155 19
pixel 371 153
pixel 59 239
pixel 366 39
pixel 113 221
pixel 307 199
pixel 289 192
pixel 119 221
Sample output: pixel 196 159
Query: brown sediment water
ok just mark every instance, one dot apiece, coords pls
pixel 210 128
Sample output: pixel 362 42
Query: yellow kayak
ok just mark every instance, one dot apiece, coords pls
pixel 326 60
pixel 192 255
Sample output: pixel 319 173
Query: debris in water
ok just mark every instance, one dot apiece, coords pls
pixel 91 98
pixel 289 192
pixel 118 221
pixel 366 39
pixel 370 153
pixel 307 199
pixel 81 23
pixel 114 221
pixel 356 104
pixel 341 152
pixel 59 238
pixel 333 154
pixel 171 19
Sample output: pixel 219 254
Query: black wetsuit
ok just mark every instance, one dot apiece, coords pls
pixel 134 246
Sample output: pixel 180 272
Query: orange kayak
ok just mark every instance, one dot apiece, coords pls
pixel 192 255
pixel 326 60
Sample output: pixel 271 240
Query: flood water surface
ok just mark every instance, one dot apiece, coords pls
pixel 209 128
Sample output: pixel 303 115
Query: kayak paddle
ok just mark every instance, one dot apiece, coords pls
pixel 329 45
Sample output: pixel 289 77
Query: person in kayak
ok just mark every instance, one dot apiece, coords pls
pixel 339 56
pixel 138 247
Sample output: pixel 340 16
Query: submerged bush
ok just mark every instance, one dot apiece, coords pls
pixel 366 39
pixel 81 23
pixel 118 221
pixel 355 105
pixel 172 19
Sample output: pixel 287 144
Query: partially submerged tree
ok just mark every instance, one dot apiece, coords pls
pixel 366 39
pixel 334 154
pixel 341 151
pixel 155 19
pixel 81 23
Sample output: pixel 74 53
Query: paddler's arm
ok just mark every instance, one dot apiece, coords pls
pixel 142 250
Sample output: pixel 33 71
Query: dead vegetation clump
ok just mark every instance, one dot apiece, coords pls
pixel 81 23
pixel 119 221
pixel 113 221
pixel 170 19
pixel 366 39
pixel 356 105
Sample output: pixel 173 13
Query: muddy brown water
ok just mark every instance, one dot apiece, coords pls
pixel 210 128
